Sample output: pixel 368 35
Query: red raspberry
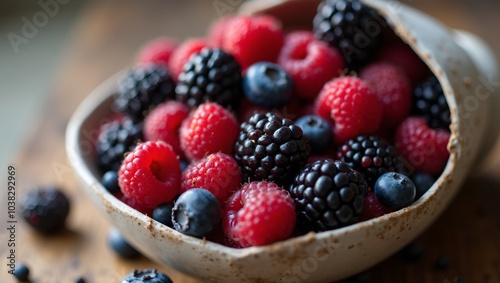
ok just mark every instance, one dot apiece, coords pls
pixel 217 31
pixel 252 39
pixel 351 106
pixel 401 55
pixel 373 208
pixel 393 89
pixel 218 173
pixel 164 122
pixel 310 62
pixel 150 174
pixel 157 51
pixel 182 54
pixel 209 129
pixel 258 214
pixel 133 204
pixel 424 148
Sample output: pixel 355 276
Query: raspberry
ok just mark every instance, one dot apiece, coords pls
pixel 217 31
pixel 209 129
pixel 150 174
pixel 115 139
pixel 157 51
pixel 424 148
pixel 252 39
pixel 258 214
pixel 393 89
pixel 401 55
pixel 328 195
pixel 142 89
pixel 210 75
pixel 182 54
pixel 310 62
pixel 45 209
pixel 351 27
pixel 270 148
pixel 371 156
pixel 351 106
pixel 430 103
pixel 133 203
pixel 373 208
pixel 164 122
pixel 218 173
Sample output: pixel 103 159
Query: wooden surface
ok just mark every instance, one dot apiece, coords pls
pixel 105 40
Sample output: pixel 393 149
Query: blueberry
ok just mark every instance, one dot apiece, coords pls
pixel 184 164
pixel 267 85
pixel 423 182
pixel 318 132
pixel 80 279
pixel 147 276
pixel 45 209
pixel 163 214
pixel 395 190
pixel 118 243
pixel 110 181
pixel 196 213
pixel 22 272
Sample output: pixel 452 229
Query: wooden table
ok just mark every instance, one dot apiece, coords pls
pixel 105 39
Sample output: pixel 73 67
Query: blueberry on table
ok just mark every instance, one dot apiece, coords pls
pixel 267 85
pixel 196 213
pixel 395 190
pixel 146 275
pixel 318 131
pixel 120 245
pixel 45 209
pixel 21 272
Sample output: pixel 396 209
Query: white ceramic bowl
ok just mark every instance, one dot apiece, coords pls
pixel 462 65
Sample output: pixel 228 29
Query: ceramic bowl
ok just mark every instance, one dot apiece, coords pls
pixel 463 65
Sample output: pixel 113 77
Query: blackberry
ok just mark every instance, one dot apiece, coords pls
pixel 270 148
pixel 371 156
pixel 116 138
pixel 146 276
pixel 328 195
pixel 45 209
pixel 210 75
pixel 351 27
pixel 142 89
pixel 430 103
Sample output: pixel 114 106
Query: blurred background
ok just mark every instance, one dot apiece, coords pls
pixel 28 66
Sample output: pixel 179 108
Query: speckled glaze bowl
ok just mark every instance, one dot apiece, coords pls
pixel 466 69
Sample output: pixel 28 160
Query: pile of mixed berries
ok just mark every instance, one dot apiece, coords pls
pixel 256 133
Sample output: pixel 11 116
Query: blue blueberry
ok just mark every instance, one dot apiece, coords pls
pixel 120 245
pixel 423 182
pixel 163 214
pixel 22 272
pixel 395 190
pixel 196 213
pixel 184 164
pixel 110 181
pixel 318 132
pixel 267 85
pixel 146 276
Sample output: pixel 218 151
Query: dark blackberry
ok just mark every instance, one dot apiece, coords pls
pixel 45 209
pixel 270 148
pixel 142 89
pixel 351 27
pixel 210 75
pixel 116 138
pixel 146 276
pixel 371 156
pixel 430 103
pixel 328 195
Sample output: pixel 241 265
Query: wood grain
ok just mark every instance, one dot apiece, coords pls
pixel 105 40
